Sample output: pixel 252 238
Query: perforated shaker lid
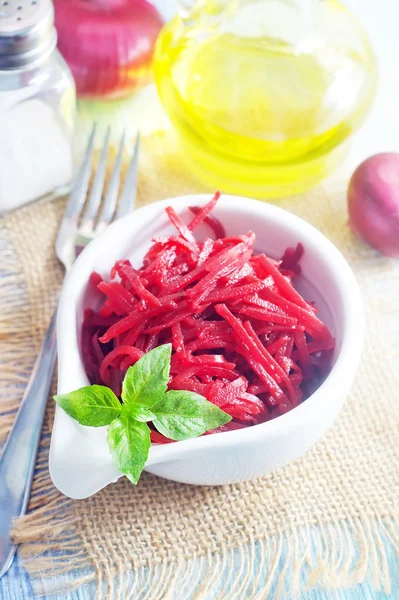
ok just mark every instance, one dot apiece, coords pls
pixel 27 32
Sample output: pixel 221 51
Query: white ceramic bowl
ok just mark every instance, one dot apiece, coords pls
pixel 80 463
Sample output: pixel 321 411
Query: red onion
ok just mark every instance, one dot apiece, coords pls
pixel 373 202
pixel 108 44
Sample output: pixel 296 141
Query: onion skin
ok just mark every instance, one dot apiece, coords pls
pixel 373 203
pixel 108 44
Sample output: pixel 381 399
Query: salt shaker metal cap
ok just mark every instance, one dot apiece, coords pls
pixel 27 32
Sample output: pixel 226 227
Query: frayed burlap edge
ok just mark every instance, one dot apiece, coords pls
pixel 334 555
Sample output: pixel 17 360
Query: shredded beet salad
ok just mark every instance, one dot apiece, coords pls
pixel 242 336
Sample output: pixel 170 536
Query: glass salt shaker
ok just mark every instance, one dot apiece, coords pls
pixel 37 105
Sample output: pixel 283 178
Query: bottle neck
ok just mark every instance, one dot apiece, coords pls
pixel 186 7
pixel 290 22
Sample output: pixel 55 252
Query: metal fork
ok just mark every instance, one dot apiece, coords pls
pixel 78 227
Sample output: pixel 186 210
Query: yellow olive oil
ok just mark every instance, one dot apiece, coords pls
pixel 261 109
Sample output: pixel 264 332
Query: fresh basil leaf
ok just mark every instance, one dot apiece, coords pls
pixel 147 379
pixel 93 405
pixel 137 412
pixel 129 443
pixel 181 415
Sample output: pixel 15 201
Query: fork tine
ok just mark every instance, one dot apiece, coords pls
pixel 129 193
pixel 78 194
pixel 66 252
pixel 96 191
pixel 113 188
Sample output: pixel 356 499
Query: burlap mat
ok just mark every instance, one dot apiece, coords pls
pixel 328 519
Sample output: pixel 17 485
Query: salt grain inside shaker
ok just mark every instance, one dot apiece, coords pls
pixel 37 105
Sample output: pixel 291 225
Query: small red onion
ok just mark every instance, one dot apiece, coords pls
pixel 108 44
pixel 373 202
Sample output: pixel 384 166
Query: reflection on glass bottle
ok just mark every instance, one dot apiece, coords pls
pixel 264 92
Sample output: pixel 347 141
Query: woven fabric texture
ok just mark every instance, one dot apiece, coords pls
pixel 340 499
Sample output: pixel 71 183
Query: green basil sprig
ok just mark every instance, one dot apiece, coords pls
pixel 178 415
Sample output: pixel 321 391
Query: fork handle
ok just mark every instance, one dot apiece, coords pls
pixel 17 463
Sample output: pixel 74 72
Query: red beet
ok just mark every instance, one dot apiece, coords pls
pixel 373 202
pixel 108 44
